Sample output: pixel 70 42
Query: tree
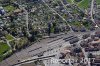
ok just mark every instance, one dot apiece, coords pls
pixel 78 0
pixel 77 50
pixel 19 44
pixel 90 55
pixel 49 28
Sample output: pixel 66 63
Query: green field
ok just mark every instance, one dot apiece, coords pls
pixel 69 1
pixel 84 4
pixel 9 8
pixel 3 48
pixel 98 2
pixel 9 37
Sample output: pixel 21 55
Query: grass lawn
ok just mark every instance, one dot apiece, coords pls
pixel 9 37
pixel 69 1
pixel 9 8
pixel 84 4
pixel 98 2
pixel 3 48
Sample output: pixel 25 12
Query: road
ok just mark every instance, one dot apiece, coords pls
pixel 26 17
pixel 91 13
pixel 25 54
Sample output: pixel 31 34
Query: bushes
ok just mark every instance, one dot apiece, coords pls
pixel 9 37
pixel 19 43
